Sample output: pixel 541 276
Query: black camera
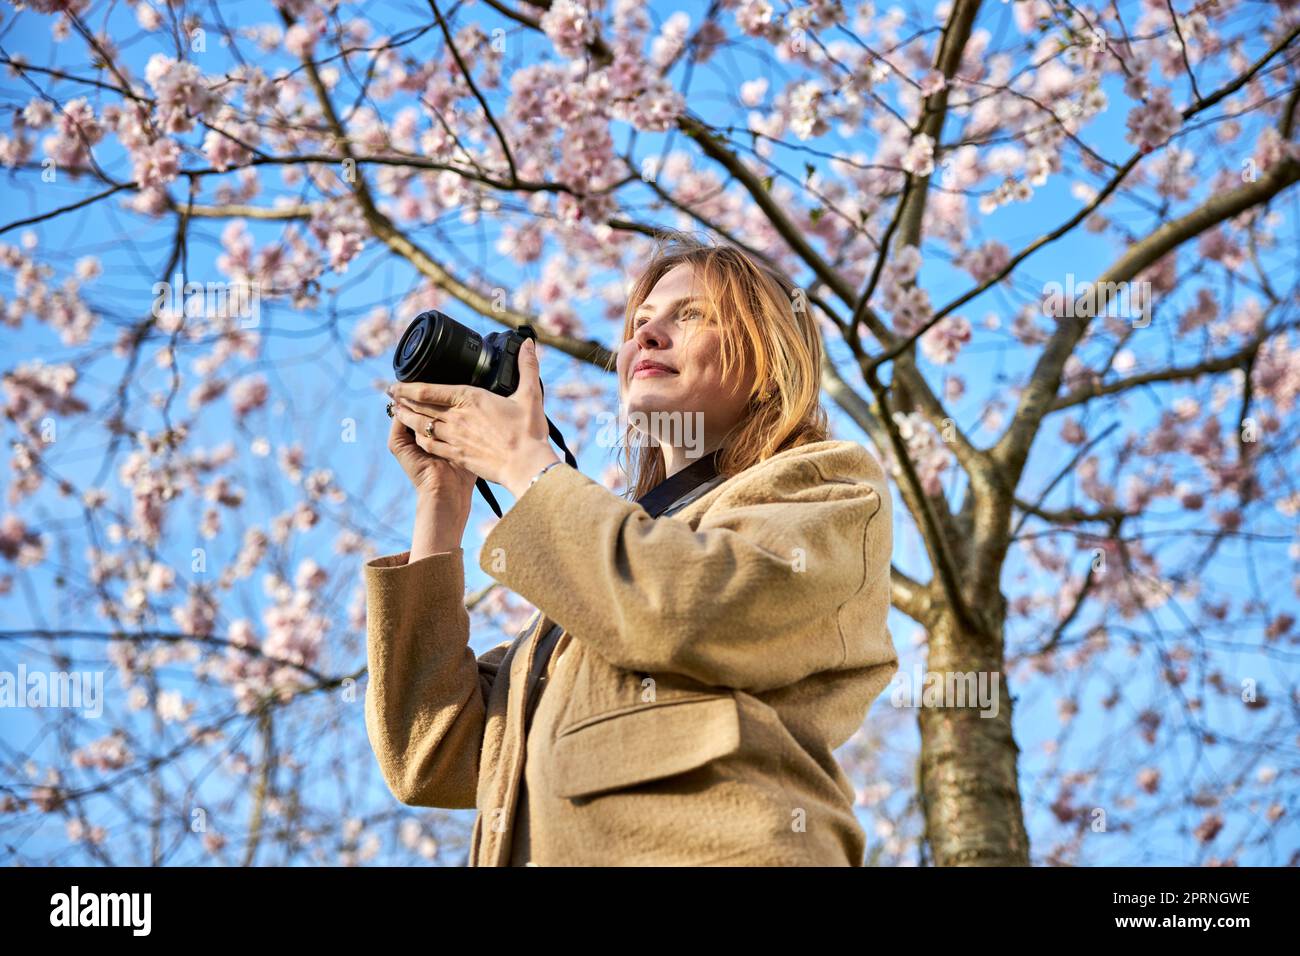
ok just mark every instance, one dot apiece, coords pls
pixel 437 349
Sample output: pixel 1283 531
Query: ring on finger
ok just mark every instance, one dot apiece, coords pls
pixel 428 428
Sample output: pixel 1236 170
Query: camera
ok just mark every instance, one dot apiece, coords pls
pixel 438 350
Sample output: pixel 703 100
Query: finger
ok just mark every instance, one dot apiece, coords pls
pixel 399 434
pixel 426 393
pixel 439 412
pixel 414 421
pixel 530 374
pixel 443 450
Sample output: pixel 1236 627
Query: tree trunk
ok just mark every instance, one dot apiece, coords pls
pixel 969 786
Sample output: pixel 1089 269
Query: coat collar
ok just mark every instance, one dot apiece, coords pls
pixel 672 489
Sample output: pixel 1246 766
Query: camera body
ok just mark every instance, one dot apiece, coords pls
pixel 437 349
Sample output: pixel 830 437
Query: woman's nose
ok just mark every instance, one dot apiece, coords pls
pixel 650 336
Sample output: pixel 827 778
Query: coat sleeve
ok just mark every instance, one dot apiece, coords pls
pixel 426 697
pixel 751 599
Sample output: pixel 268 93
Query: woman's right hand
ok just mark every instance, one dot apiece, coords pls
pixel 433 477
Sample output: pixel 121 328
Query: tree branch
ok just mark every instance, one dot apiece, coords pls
pixel 1036 401
pixel 1223 363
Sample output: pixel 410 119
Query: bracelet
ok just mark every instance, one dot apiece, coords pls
pixel 544 471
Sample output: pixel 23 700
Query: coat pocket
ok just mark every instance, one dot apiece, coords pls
pixel 643 742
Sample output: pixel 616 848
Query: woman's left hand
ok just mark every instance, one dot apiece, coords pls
pixel 502 438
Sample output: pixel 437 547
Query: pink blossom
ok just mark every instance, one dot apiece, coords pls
pixel 708 38
pixel 223 491
pixel 223 148
pixel 1215 245
pixel 320 484
pixel 300 40
pixel 77 131
pixel 1072 432
pixel 340 228
pixel 35 390
pixel 106 753
pixel 522 243
pixel 294 636
pixel 148 18
pixel 753 91
pixel 343 247
pixel 172 707
pixel 180 91
pixel 657 108
pixel 310 576
pixel 23 547
pixel 1271 149
pixel 376 334
pixel 932 83
pixel 570 27
pixel 903 266
pixel 754 16
pixel 38 113
pixel 986 261
pixel 1152 123
pixel 1205 311
pixel 911 309
pixel 291 461
pixel 1208 828
pixel 15 150
pixel 925 450
pixel 88 268
pixel 208 390
pixel 1173 169
pixel 943 341
pixel 157 164
pixel 671 39
pixel 1030 13
pixel 198 614
pixel 805 108
pixel 1149 779
pixel 1279 626
pixel 1276 374
pixel 560 320
pixel 919 158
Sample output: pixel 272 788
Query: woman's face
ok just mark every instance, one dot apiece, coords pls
pixel 690 394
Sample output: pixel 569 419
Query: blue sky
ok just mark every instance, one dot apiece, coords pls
pixel 315 386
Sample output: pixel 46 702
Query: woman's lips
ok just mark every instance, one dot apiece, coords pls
pixel 650 370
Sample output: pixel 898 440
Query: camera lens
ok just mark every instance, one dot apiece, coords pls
pixel 435 348
pixel 411 344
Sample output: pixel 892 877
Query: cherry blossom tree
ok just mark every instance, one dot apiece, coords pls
pixel 1051 249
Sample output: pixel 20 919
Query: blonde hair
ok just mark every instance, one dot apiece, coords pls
pixel 763 319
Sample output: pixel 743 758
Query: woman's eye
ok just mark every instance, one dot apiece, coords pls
pixel 692 314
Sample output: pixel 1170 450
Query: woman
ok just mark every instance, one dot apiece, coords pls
pixel 708 661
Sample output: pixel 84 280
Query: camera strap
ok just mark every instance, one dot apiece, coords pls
pixel 485 489
pixel 672 489
pixel 673 492
pixel 669 496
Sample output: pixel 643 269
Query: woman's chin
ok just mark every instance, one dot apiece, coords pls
pixel 646 403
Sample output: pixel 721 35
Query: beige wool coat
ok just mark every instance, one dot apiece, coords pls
pixel 712 659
